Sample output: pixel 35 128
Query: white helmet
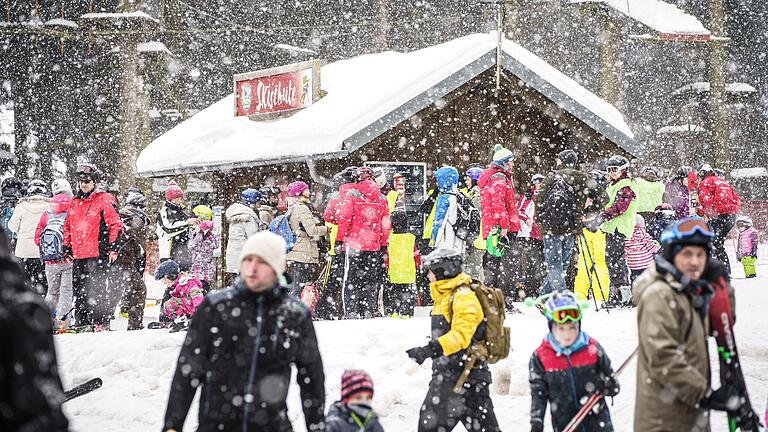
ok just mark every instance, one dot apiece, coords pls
pixel 60 186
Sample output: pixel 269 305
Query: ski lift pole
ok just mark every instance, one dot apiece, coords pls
pixel 499 31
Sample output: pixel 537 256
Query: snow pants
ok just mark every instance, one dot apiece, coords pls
pixel 558 252
pixel 59 297
pixel 616 259
pixel 134 293
pixel 34 269
pixel 301 275
pixel 443 409
pixel 591 280
pixel 474 263
pixel 94 300
pixel 362 282
pixel 399 299
pixel 749 266
pixel 501 272
pixel 721 226
pixel 532 269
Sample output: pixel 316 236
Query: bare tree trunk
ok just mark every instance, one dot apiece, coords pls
pixel 718 122
pixel 610 59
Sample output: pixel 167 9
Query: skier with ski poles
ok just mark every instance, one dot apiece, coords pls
pixel 592 277
pixel 673 319
pixel 568 367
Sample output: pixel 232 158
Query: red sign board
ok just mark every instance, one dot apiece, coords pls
pixel 269 93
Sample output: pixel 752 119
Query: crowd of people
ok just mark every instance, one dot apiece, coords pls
pixel 571 235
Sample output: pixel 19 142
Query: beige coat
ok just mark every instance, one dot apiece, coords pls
pixel 243 223
pixel 307 232
pixel 673 372
pixel 24 222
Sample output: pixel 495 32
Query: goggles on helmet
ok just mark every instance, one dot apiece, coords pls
pixel 615 169
pixel 85 172
pixel 686 228
pixel 562 308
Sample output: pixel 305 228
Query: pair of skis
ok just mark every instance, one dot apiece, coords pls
pixel 594 399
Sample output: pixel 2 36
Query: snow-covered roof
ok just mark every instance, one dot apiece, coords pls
pixel 366 96
pixel 675 129
pixel 153 46
pixel 119 16
pixel 741 173
pixel 666 19
pixel 703 87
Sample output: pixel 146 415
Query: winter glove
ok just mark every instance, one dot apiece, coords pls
pixel 594 224
pixel 726 398
pixel 608 386
pixel 338 248
pixel 431 350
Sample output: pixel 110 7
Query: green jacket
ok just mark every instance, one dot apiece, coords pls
pixel 625 222
pixel 649 195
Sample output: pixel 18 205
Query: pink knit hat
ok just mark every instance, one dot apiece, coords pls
pixel 173 191
pixel 354 382
pixel 296 188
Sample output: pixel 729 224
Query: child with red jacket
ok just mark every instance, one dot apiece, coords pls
pixel 718 204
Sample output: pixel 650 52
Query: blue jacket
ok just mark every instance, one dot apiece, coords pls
pixel 447 182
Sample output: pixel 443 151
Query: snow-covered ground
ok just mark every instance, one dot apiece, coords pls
pixel 137 367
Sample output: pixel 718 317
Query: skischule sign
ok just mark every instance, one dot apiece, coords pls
pixel 271 93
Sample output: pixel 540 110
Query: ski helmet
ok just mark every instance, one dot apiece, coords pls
pixel 250 196
pixel 363 173
pixel 692 231
pixel 445 263
pixel 61 186
pixel 705 170
pixel 474 173
pixel 169 269
pixel 617 162
pixel 649 173
pixel 537 178
pixel 135 197
pixel 203 212
pixel 379 176
pixel 11 183
pixel 269 190
pixel 561 307
pixel 683 171
pixel 568 157
pixel 37 187
pixel 87 171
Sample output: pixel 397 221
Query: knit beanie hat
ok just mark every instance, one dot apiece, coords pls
pixel 502 155
pixel 354 382
pixel 296 188
pixel 268 246
pixel 61 186
pixel 173 191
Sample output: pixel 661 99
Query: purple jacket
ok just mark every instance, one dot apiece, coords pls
pixel 202 246
pixel 748 243
pixel 677 196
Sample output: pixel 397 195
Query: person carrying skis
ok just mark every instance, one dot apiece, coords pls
pixel 93 234
pixel 240 346
pixel 457 316
pixel 446 211
pixel 174 222
pixel 183 293
pixel 640 249
pixel 746 251
pixel 664 216
pixel 243 223
pixel 567 368
pixel 560 205
pixel 353 412
pixel 673 296
pixel 499 217
pixel 49 237
pixel 617 221
pixel 676 193
pixel 132 258
pixel 718 204
pixel 23 224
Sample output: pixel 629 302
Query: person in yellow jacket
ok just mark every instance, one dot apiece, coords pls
pixel 456 318
pixel 592 270
pixel 402 262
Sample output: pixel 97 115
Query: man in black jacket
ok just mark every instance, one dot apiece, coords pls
pixel 240 347
pixel 30 388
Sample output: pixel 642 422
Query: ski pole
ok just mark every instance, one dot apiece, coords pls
pixel 595 398
pixel 582 238
pixel 593 269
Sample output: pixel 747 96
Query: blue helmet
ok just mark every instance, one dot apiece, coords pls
pixel 251 196
pixel 474 173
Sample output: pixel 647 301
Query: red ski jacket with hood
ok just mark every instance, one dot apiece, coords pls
pixel 93 226
pixel 497 200
pixel 331 213
pixel 363 218
pixel 717 197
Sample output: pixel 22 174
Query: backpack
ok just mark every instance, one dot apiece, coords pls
pixel 281 227
pixel 52 238
pixel 494 345
pixel 557 211
pixel 5 216
pixel 468 218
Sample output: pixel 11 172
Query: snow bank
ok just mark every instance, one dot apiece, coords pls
pixel 137 367
pixel 662 17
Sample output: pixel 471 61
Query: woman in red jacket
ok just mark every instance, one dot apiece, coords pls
pixel 718 204
pixel 92 231
pixel 364 225
pixel 499 212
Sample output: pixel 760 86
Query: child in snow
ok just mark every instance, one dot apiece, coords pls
pixel 49 237
pixel 747 250
pixel 201 246
pixel 641 249
pixel 183 294
pixel 567 368
pixel 402 260
pixel 353 413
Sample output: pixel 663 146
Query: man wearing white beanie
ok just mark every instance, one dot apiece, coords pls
pixel 255 323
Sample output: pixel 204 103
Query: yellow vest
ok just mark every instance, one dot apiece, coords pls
pixel 402 264
pixel 391 200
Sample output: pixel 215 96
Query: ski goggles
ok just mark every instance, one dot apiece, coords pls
pixel 686 228
pixel 616 169
pixel 85 172
pixel 561 316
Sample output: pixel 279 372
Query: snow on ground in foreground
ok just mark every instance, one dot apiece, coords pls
pixel 137 367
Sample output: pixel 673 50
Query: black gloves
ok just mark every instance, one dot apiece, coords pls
pixel 338 248
pixel 608 386
pixel 594 224
pixel 726 398
pixel 431 350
